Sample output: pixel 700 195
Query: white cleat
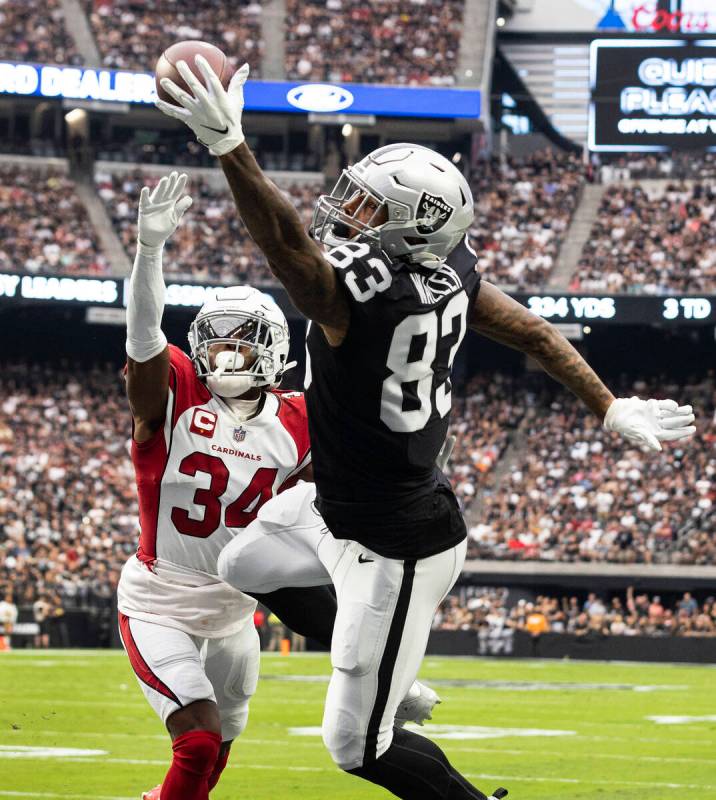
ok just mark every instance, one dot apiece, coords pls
pixel 417 705
pixel 498 794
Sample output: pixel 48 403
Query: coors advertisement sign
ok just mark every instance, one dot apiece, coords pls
pixel 650 94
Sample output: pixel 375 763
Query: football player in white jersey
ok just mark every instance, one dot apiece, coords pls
pixel 213 440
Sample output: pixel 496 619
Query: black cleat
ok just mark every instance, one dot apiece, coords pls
pixel 498 794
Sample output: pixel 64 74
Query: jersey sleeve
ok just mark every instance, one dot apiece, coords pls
pixel 364 274
pixel 293 416
pixel 187 390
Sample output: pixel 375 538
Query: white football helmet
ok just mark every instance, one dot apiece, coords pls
pixel 252 325
pixel 426 199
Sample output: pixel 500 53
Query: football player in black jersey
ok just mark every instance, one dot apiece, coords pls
pixel 390 286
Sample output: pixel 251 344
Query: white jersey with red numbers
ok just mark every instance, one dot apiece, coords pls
pixel 201 480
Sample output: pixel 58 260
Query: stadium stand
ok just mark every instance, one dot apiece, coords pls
pixel 523 207
pixel 516 233
pixel 651 239
pixel 390 41
pixel 130 34
pixel 36 32
pixel 68 509
pixel 495 610
pixel 483 420
pixel 577 494
pixel 211 244
pixel 44 227
pixel 675 165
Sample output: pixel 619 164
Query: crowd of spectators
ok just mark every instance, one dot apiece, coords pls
pixel 69 517
pixel 657 240
pixel 681 165
pixel 36 32
pixel 484 418
pixel 410 42
pixel 523 207
pixel 497 612
pixel 131 34
pixel 577 493
pixel 68 510
pixel 387 41
pixel 211 244
pixel 44 227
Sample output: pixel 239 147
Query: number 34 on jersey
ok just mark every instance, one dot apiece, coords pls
pixel 203 476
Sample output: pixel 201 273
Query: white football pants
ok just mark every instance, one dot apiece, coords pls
pixel 175 669
pixel 385 611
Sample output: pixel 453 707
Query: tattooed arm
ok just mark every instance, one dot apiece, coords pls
pixel 503 319
pixel 293 257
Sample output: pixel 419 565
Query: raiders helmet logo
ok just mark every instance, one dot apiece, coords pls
pixel 433 212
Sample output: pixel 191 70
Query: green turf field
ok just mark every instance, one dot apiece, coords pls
pixel 542 729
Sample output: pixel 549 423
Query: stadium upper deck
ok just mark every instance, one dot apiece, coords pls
pixel 391 41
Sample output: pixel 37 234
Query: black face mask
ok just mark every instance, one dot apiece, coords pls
pixel 341 230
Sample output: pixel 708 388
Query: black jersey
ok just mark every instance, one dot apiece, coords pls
pixel 379 404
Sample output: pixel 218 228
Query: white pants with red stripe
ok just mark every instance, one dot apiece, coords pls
pixel 385 612
pixel 175 669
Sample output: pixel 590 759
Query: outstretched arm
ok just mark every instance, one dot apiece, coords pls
pixel 499 317
pixel 147 350
pixel 645 423
pixel 293 257
pixel 214 114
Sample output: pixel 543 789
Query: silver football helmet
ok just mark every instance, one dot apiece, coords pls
pixel 421 205
pixel 249 336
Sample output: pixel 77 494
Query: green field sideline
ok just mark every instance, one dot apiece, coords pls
pixel 75 725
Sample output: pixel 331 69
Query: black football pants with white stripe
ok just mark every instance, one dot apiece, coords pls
pixel 385 608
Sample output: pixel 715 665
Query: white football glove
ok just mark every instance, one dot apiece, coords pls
pixel 161 211
pixel 647 423
pixel 212 112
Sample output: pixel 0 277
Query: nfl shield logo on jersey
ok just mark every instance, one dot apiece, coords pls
pixel 239 434
pixel 433 212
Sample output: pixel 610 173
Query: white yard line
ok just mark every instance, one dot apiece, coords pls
pixel 59 653
pixel 590 781
pixel 92 734
pixel 591 755
pixel 280 767
pixel 8 793
pixel 497 751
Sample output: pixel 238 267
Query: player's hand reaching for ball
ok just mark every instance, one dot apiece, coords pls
pixel 212 112
pixel 161 210
pixel 647 423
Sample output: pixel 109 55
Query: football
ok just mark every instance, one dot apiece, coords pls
pixel 187 51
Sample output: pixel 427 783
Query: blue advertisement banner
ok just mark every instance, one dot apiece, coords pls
pixel 107 85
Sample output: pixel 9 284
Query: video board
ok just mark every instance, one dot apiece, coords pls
pixel 652 94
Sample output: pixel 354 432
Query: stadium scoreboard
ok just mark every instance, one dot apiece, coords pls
pixel 652 94
pixel 622 309
pixel 616 309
